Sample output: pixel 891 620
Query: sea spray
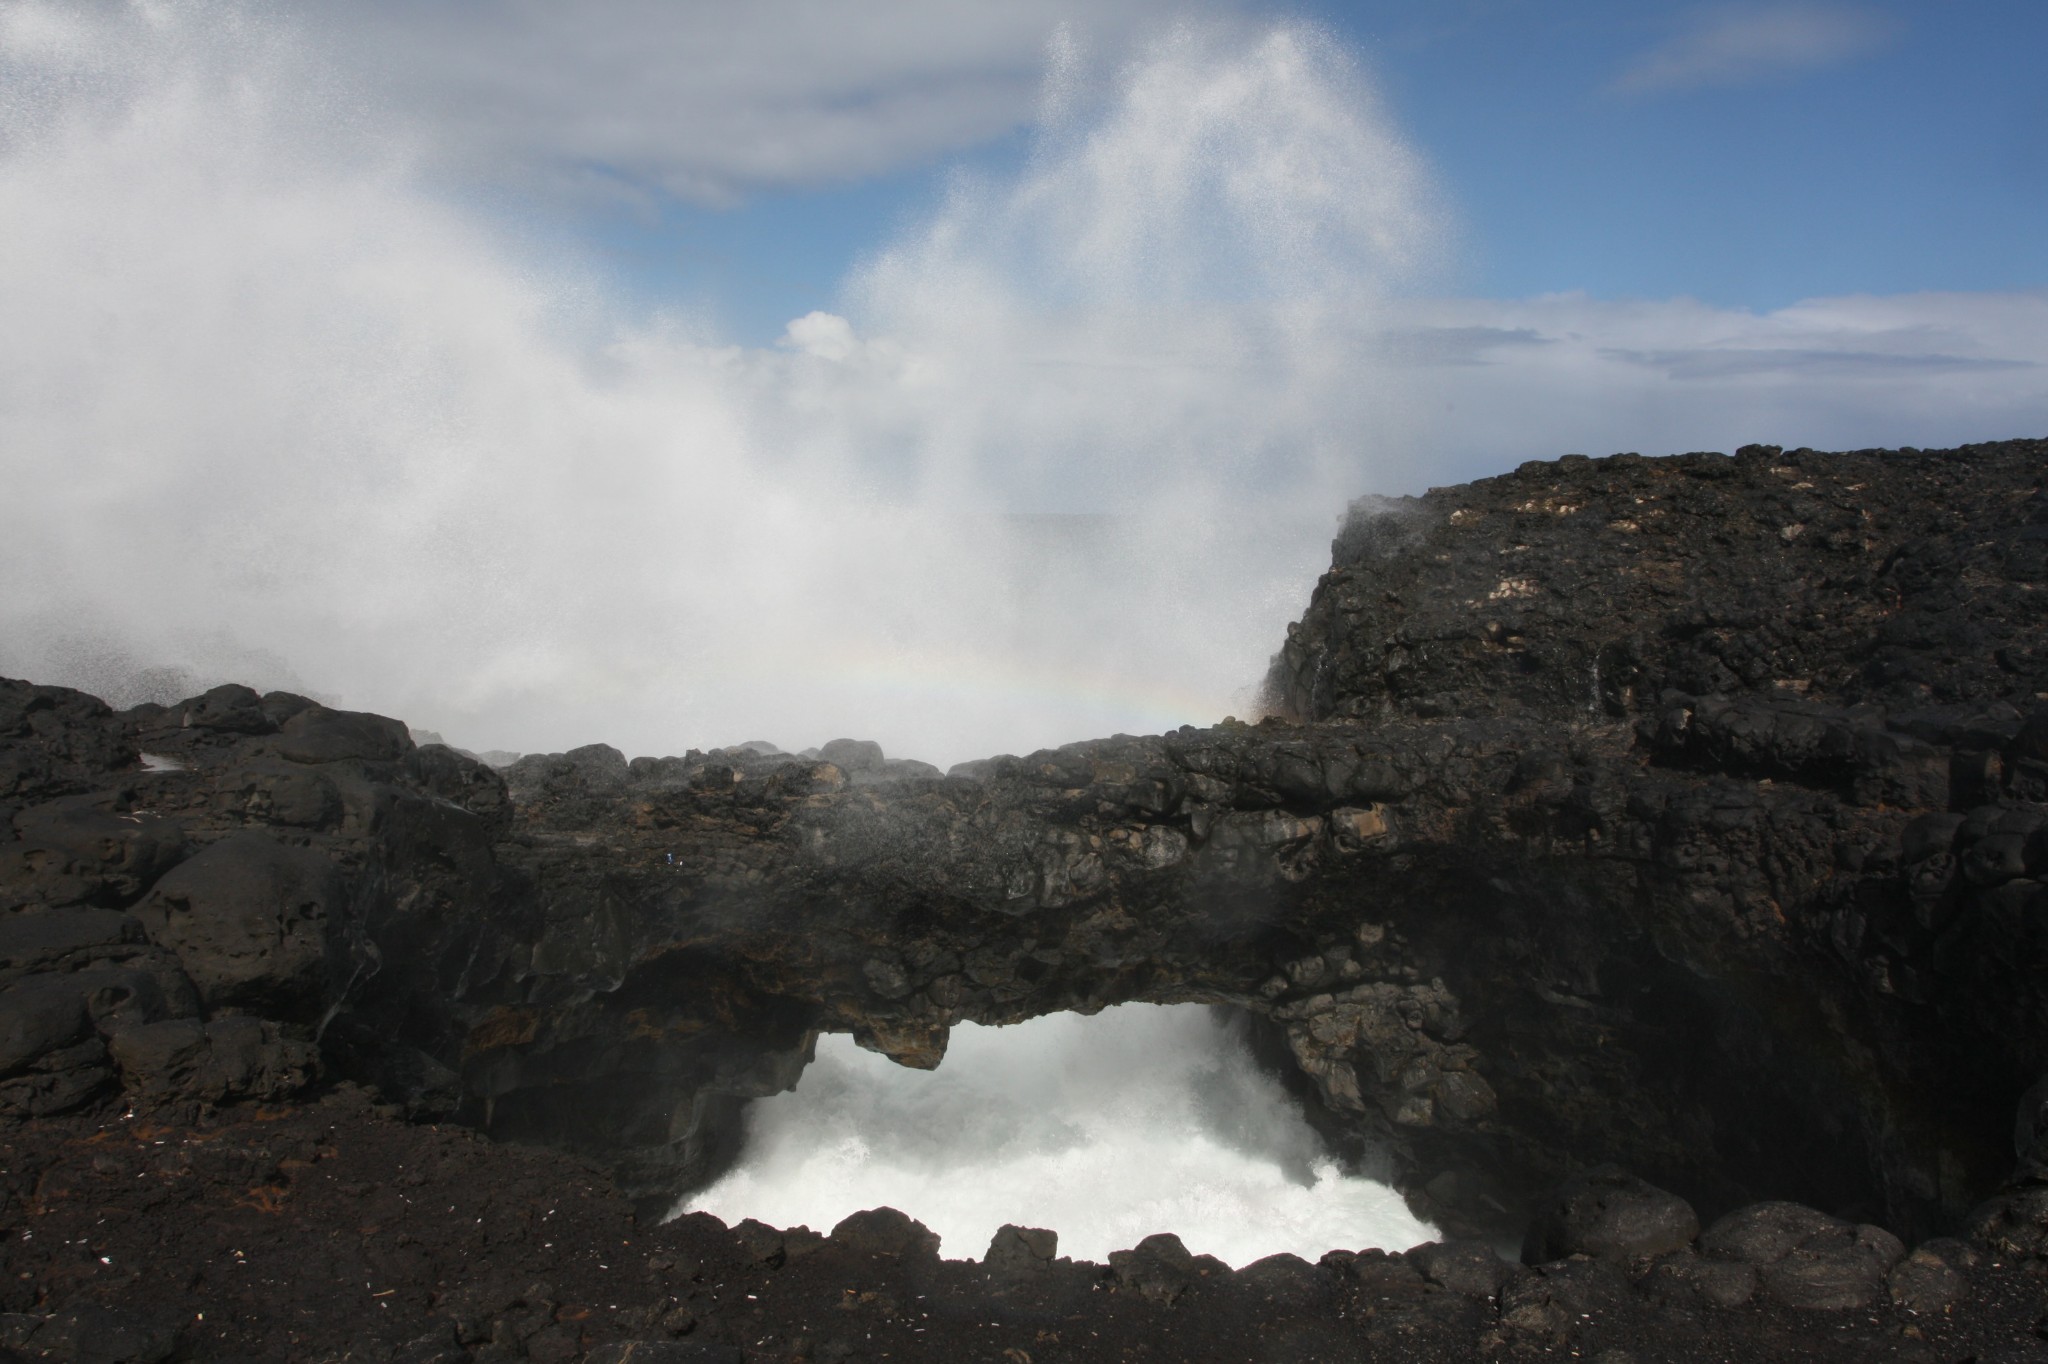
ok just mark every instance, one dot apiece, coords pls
pixel 1105 1129
pixel 283 405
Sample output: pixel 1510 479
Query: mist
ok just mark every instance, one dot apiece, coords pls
pixel 1107 1129
pixel 275 408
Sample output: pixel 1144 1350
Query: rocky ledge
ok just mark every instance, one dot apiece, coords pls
pixel 1683 816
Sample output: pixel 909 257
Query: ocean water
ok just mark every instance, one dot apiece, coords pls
pixel 1106 1129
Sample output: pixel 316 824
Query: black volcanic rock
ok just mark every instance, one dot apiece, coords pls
pixel 255 924
pixel 1803 1257
pixel 1889 578
pixel 1610 1213
pixel 1688 815
pixel 885 1231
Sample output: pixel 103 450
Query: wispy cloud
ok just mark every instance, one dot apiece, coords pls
pixel 1677 374
pixel 1736 45
pixel 1797 363
pixel 715 100
pixel 1455 345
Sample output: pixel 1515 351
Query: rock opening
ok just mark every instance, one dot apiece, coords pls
pixel 1138 1120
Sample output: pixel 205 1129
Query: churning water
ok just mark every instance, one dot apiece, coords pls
pixel 1106 1129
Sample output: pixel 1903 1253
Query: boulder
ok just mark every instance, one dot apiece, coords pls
pixel 1384 1281
pixel 229 709
pixel 37 1016
pixel 2013 1223
pixel 1805 1258
pixel 51 1022
pixel 56 742
pixel 885 1231
pixel 1285 1282
pixel 256 924
pixel 273 791
pixel 1158 1269
pixel 64 938
pixel 103 856
pixel 1470 1268
pixel 1686 1277
pixel 1841 1269
pixel 319 735
pixel 119 997
pixel 760 1243
pixel 1764 1233
pixel 1016 1253
pixel 1546 1301
pixel 222 1061
pixel 1932 1277
pixel 1609 1213
pixel 855 757
pixel 464 781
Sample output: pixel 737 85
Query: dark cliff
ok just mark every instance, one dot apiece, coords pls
pixel 1686 814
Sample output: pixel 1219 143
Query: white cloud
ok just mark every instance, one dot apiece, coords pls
pixel 713 99
pixel 1736 45
pixel 1505 380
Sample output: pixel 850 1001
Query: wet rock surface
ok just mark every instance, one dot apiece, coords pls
pixel 1688 816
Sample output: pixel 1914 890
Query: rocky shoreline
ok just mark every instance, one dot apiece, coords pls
pixel 1683 817
pixel 333 1229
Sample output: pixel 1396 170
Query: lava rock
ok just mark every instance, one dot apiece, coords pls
pixel 1607 1212
pixel 1803 1257
pixel 2013 1223
pixel 1467 1267
pixel 885 1231
pixel 229 709
pixel 854 757
pixel 1020 1253
pixel 1159 1268
pixel 62 939
pixel 319 735
pixel 1284 1282
pixel 1932 1277
pixel 94 854
pixel 255 924
pixel 1553 1297
pixel 761 1243
pixel 38 1016
pixel 217 1062
pixel 1687 1277
pixel 1764 1233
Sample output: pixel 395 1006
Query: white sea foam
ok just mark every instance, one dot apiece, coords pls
pixel 1106 1129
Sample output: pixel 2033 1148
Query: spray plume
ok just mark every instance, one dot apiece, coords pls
pixel 275 406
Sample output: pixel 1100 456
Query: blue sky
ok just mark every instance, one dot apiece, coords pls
pixel 1902 147
pixel 1746 155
